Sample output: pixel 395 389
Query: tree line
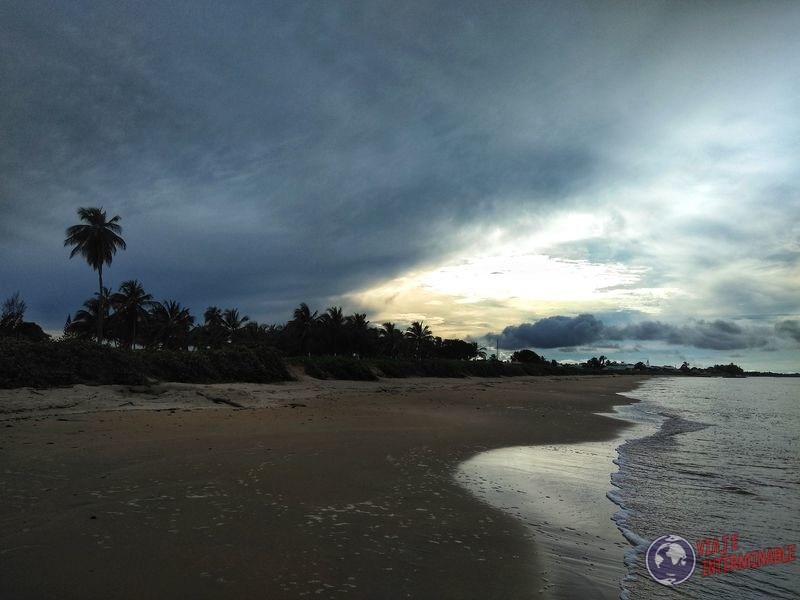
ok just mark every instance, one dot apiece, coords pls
pixel 134 319
pixel 131 318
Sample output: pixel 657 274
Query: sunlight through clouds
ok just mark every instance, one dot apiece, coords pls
pixel 528 276
pixel 485 292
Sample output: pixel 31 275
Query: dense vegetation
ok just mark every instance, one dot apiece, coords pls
pixel 127 337
pixel 144 338
pixel 67 362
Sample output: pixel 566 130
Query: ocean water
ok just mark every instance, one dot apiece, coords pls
pixel 723 459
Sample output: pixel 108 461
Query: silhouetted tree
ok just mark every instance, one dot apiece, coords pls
pixel 420 336
pixel 96 240
pixel 131 304
pixel 527 356
pixel 480 351
pixel 729 370
pixel 456 349
pixel 303 326
pixel 332 323
pixel 12 313
pixel 595 363
pixel 391 339
pixel 84 324
pixel 214 333
pixel 12 323
pixel 360 336
pixel 171 325
pixel 232 321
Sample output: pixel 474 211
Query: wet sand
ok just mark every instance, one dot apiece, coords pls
pixel 310 489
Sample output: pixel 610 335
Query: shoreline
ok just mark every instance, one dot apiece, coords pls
pixel 561 492
pixel 313 488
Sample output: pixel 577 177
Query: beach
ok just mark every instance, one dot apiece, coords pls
pixel 319 489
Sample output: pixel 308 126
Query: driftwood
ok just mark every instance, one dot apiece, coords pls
pixel 216 400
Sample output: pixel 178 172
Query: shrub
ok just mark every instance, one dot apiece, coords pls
pixel 67 362
pixel 43 364
pixel 186 367
pixel 395 368
pixel 334 367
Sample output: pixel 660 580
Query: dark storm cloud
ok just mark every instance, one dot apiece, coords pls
pixel 253 145
pixel 555 332
pixel 263 154
pixel 712 335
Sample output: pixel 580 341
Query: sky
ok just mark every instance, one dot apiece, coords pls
pixel 580 178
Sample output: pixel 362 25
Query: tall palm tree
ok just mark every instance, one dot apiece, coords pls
pixel 420 335
pixel 96 240
pixel 130 305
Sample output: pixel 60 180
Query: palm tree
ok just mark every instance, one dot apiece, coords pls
pixel 232 321
pixel 333 320
pixel 304 322
pixel 420 335
pixel 171 324
pixel 84 324
pixel 130 306
pixel 212 316
pixel 478 352
pixel 213 331
pixel 358 331
pixel 96 240
pixel 392 338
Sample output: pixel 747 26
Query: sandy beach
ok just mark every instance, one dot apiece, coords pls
pixel 319 489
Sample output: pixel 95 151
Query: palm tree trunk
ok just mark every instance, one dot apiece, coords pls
pixel 101 308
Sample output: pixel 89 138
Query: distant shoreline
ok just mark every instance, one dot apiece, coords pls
pixel 46 364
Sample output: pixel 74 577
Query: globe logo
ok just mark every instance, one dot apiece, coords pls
pixel 670 560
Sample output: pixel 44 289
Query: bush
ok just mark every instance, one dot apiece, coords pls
pixel 43 364
pixel 395 368
pixel 485 368
pixel 238 363
pixel 334 367
pixel 175 365
pixel 67 362
pixel 442 368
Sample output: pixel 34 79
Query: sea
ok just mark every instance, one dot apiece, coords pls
pixel 700 458
pixel 725 459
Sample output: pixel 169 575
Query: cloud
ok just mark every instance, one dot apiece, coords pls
pixel 553 332
pixel 561 331
pixel 263 154
pixel 789 328
pixel 713 335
